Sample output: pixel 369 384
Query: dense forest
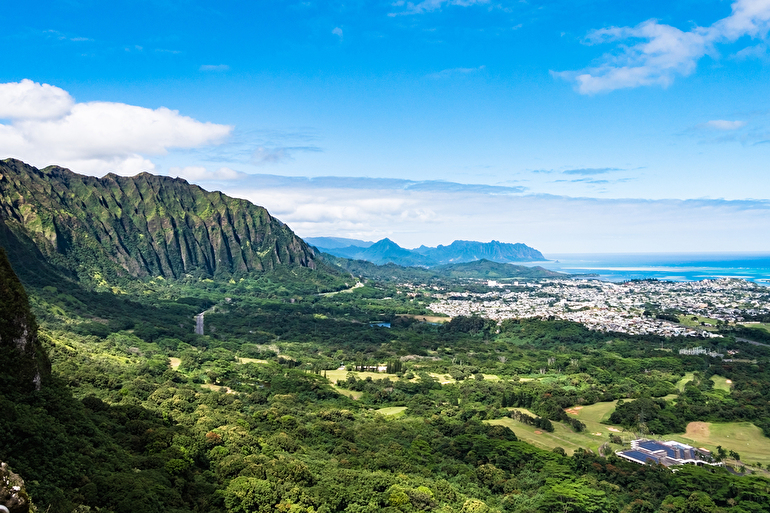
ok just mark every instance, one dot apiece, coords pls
pixel 272 409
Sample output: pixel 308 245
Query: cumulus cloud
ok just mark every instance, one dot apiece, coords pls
pixel 28 100
pixel 199 173
pixel 337 32
pixel 723 124
pixel 432 5
pixel 652 53
pixel 48 127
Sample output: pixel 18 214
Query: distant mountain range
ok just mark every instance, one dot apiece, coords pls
pixel 336 242
pixel 386 251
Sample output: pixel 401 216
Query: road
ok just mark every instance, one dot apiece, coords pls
pixel 739 339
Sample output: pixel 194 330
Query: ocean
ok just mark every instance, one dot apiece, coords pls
pixel 753 267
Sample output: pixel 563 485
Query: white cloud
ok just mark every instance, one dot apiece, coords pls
pixel 214 67
pixel 199 173
pixel 664 51
pixel 723 124
pixel 275 155
pixel 48 127
pixel 412 214
pixel 432 5
pixel 444 73
pixel 752 52
pixel 29 100
pixel 337 32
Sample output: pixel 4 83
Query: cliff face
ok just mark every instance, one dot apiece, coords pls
pixel 144 225
pixel 13 493
pixel 24 362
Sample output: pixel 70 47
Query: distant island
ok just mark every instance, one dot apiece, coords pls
pixel 460 251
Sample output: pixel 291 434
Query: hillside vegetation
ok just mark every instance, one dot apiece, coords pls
pixel 280 404
pixel 146 225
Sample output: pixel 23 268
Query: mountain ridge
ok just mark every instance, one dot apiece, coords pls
pixel 145 225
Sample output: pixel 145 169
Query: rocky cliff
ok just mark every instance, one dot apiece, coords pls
pixel 13 494
pixel 144 225
pixel 24 362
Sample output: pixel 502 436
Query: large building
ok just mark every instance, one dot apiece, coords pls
pixel 666 453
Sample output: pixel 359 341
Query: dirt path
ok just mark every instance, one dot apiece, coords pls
pixel 697 430
pixel 351 289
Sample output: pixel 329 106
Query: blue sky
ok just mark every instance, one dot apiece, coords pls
pixel 571 126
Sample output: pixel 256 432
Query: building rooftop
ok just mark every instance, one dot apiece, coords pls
pixel 665 453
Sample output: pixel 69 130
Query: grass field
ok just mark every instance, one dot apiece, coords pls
pixel 594 435
pixel 338 375
pixel 686 320
pixel 348 393
pixel 562 436
pixel 682 382
pixel 427 318
pixel 721 383
pixel 175 362
pixel 250 360
pixel 393 410
pixel 759 326
pixel 742 437
pixel 218 388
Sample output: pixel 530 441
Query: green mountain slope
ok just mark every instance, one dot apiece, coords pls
pixel 484 269
pixel 477 270
pixel 24 363
pixel 146 225
pixel 467 251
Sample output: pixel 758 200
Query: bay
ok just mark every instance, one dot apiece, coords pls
pixel 753 267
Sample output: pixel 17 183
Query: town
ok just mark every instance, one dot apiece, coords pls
pixel 634 307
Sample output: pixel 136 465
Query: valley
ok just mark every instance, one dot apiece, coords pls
pixel 320 384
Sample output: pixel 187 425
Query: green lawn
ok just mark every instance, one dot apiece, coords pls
pixel 682 382
pixel 742 437
pixel 348 393
pixel 250 360
pixel 686 320
pixel 337 375
pixel 721 383
pixel 393 410
pixel 758 326
pixel 562 436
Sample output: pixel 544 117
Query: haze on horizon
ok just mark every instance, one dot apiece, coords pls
pixel 570 127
